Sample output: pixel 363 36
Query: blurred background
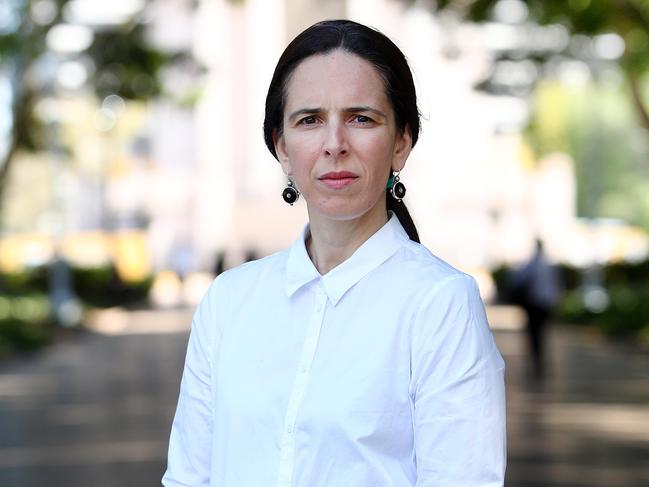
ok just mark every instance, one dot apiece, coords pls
pixel 133 170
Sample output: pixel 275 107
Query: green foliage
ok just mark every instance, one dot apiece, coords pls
pixel 572 309
pixel 31 280
pixel 587 18
pixel 126 66
pixel 25 322
pixel 626 314
pixel 500 275
pixel 570 278
pixel 26 315
pixel 101 287
pixel 627 287
pixel 596 125
pixel 628 311
pixel 97 286
pixel 122 61
pixel 627 274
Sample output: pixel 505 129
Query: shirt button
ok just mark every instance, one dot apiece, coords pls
pixel 289 430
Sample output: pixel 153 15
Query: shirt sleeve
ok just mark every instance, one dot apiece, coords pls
pixel 458 390
pixel 188 462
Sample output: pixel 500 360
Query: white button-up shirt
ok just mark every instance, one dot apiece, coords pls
pixel 383 372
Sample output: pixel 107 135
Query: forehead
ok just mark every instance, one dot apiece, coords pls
pixel 338 76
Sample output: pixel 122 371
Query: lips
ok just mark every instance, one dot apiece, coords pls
pixel 339 179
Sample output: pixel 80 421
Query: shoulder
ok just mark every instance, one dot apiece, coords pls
pixel 238 283
pixel 252 280
pixel 436 296
pixel 447 312
pixel 417 266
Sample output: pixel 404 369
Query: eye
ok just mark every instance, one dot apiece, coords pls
pixel 310 120
pixel 361 119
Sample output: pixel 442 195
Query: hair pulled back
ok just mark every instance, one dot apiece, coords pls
pixel 374 47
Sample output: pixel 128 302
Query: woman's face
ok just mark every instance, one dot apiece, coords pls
pixel 340 140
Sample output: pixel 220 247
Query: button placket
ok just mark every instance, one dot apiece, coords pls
pixel 287 452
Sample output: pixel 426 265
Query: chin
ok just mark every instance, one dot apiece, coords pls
pixel 342 211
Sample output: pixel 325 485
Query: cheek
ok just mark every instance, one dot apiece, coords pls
pixel 302 154
pixel 379 153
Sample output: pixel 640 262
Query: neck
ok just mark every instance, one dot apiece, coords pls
pixel 331 242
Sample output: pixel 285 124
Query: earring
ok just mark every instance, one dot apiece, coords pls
pixel 396 187
pixel 290 193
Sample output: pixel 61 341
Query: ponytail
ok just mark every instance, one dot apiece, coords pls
pixel 399 209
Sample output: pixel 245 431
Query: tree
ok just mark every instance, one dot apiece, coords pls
pixel 544 38
pixel 122 64
pixel 593 28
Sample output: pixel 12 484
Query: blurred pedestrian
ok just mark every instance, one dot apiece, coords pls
pixel 183 258
pixel 219 263
pixel 536 287
pixel 356 357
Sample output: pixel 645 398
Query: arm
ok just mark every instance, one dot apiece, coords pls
pixel 191 433
pixel 458 390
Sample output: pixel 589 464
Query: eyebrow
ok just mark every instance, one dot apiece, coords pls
pixel 311 111
pixel 365 108
pixel 304 111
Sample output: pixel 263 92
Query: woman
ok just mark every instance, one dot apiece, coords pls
pixel 356 357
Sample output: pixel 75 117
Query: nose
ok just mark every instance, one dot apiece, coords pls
pixel 335 143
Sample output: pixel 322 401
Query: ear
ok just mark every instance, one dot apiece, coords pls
pixel 402 148
pixel 280 150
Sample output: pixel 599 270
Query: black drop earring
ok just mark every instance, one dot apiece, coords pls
pixel 290 193
pixel 396 187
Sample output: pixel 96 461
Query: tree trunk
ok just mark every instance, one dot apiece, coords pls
pixel 638 102
pixel 5 167
pixel 24 129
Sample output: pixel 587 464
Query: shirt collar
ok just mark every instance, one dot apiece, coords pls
pixel 373 252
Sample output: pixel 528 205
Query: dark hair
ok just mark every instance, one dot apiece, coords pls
pixel 369 44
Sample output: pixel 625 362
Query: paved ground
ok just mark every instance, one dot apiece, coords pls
pixel 94 409
pixel 587 424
